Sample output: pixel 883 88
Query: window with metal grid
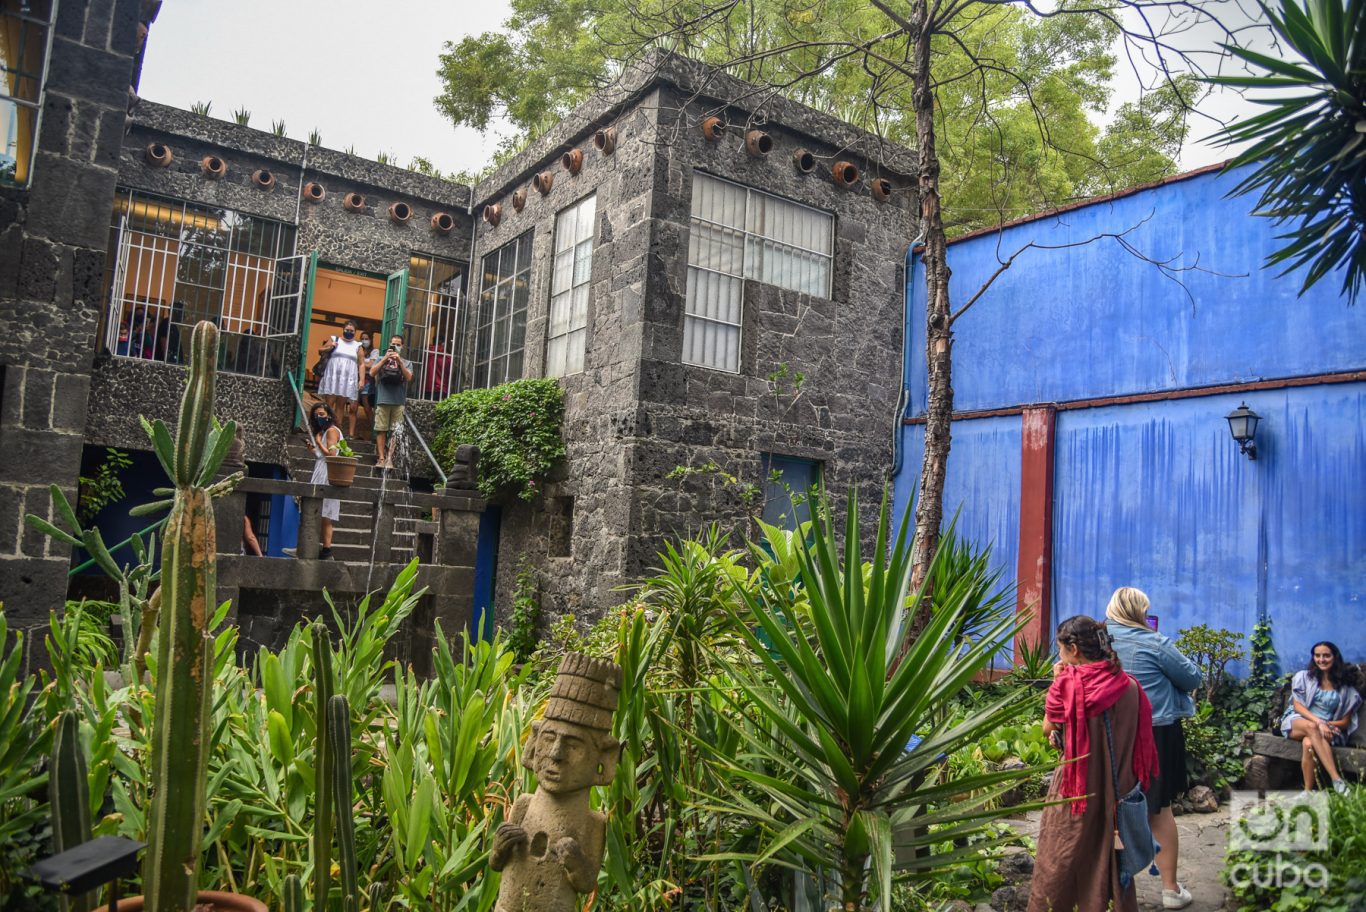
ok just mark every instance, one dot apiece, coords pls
pixel 567 336
pixel 25 40
pixel 172 264
pixel 434 324
pixel 740 233
pixel 500 330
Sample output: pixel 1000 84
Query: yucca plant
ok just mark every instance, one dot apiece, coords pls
pixel 825 710
pixel 1308 146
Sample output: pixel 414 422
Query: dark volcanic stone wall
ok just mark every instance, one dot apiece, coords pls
pixel 637 413
pixel 52 240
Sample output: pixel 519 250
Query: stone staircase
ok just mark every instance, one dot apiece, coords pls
pixel 353 533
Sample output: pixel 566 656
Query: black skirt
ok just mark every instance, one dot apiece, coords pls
pixel 1171 781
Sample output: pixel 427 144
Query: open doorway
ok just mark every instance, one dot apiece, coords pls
pixel 337 297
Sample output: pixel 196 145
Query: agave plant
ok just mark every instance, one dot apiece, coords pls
pixel 825 710
pixel 241 117
pixel 1308 147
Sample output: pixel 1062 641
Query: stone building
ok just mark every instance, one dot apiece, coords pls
pixel 715 275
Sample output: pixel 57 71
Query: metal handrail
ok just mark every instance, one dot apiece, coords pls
pixel 303 412
pixel 123 544
pixel 408 420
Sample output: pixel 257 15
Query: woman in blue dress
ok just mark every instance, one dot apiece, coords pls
pixel 1322 712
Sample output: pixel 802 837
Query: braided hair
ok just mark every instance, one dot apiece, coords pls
pixel 1091 638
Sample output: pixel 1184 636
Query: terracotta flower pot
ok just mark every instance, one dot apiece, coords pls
pixel 213 166
pixel 572 161
pixel 353 202
pixel 341 471
pixel 493 214
pixel 215 900
pixel 605 140
pixel 314 192
pixel 758 143
pixel 804 161
pixel 712 128
pixel 158 155
pixel 442 223
pixel 542 182
pixel 518 200
pixel 881 189
pixel 399 213
pixel 263 178
pixel 846 174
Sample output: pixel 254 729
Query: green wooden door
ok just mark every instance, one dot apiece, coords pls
pixel 395 296
pixel 306 320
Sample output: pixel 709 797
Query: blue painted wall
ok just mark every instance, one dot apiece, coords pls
pixel 1095 321
pixel 1155 494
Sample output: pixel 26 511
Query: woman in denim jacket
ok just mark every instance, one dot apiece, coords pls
pixel 1322 712
pixel 1168 678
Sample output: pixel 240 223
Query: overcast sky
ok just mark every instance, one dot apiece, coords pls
pixel 364 73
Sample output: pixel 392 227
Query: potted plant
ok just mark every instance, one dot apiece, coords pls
pixel 341 469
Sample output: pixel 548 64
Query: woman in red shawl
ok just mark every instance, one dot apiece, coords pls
pixel 1075 870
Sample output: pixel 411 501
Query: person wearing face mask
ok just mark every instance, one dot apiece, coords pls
pixel 391 373
pixel 341 381
pixel 326 437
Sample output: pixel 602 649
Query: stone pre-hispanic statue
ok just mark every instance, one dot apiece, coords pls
pixel 551 847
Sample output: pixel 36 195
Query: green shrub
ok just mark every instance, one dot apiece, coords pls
pixel 1211 649
pixel 97 491
pixel 1343 868
pixel 516 427
pixel 525 621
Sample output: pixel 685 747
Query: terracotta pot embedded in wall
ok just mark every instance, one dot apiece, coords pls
pixel 518 200
pixel 158 155
pixel 712 128
pixel 314 192
pixel 542 182
pixel 572 161
pixel 804 161
pixel 845 173
pixel 399 213
pixel 605 140
pixel 353 202
pixel 881 189
pixel 443 223
pixel 493 214
pixel 758 143
pixel 213 166
pixel 263 179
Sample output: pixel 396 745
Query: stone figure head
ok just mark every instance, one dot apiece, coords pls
pixel 572 748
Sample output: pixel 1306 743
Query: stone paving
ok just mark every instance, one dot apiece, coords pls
pixel 1204 838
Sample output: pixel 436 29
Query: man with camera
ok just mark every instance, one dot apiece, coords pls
pixel 391 373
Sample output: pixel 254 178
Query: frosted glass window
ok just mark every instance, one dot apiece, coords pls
pixel 567 335
pixel 738 233
pixel 500 322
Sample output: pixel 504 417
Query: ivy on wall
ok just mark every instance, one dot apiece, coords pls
pixel 516 427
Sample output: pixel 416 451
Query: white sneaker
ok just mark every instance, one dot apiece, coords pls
pixel 1340 786
pixel 1177 899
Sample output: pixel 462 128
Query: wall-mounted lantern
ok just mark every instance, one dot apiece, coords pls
pixel 1242 424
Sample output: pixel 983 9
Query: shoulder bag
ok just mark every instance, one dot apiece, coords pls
pixel 321 365
pixel 1135 847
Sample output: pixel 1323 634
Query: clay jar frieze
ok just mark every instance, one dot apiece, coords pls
pixel 605 140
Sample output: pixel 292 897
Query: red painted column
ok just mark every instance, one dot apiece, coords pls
pixel 1035 566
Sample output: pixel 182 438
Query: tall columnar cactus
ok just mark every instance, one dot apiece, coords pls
pixel 184 680
pixel 339 737
pixel 69 793
pixel 323 766
pixel 292 896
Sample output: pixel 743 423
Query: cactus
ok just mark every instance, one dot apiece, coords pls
pixel 375 897
pixel 184 686
pixel 70 797
pixel 323 766
pixel 292 895
pixel 339 737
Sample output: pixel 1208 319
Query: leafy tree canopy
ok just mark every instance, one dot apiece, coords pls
pixel 1019 94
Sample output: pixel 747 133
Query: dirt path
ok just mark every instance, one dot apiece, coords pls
pixel 1204 838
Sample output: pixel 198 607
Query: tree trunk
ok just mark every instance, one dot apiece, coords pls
pixel 929 508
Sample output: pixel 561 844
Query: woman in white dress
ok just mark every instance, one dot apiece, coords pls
pixel 341 383
pixel 326 436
